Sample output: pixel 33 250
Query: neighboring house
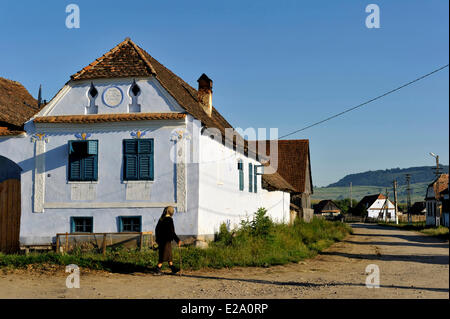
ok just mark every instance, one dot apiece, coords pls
pixel 418 208
pixel 294 165
pixel 326 208
pixel 122 139
pixel 378 208
pixel 434 199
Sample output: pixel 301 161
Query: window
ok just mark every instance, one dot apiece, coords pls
pixel 81 224
pixel 83 160
pixel 241 175
pixel 138 159
pixel 92 95
pixel 250 177
pixel 255 179
pixel 130 223
pixel 135 91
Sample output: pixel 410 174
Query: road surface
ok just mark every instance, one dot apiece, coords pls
pixel 411 265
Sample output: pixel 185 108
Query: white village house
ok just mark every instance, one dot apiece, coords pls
pixel 122 139
pixel 378 207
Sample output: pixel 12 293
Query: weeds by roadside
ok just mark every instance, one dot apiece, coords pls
pixel 259 242
pixel 438 232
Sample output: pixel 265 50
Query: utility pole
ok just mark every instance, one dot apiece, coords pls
pixel 408 196
pixel 438 210
pixel 351 197
pixel 395 201
pixel 386 205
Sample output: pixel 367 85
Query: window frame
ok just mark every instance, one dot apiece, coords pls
pixel 83 160
pixel 240 167
pixel 138 156
pixel 121 230
pixel 73 225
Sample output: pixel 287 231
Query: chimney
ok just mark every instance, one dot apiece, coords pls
pixel 205 93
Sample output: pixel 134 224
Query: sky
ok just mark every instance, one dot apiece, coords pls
pixel 275 64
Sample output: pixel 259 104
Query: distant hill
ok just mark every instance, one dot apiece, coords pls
pixel 384 178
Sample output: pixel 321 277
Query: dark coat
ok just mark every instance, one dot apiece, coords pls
pixel 165 233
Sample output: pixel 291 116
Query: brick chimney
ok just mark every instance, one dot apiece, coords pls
pixel 204 93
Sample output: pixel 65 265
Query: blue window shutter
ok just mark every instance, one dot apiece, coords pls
pixel 250 177
pixel 130 146
pixel 131 167
pixel 89 168
pixel 145 167
pixel 255 176
pixel 92 147
pixel 74 168
pixel 72 225
pixel 145 146
pixel 241 176
pixel 120 224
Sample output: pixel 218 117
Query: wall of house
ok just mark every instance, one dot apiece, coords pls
pixel 73 99
pixel 221 201
pixel 374 210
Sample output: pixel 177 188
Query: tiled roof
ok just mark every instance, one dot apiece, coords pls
pixel 99 118
pixel 129 60
pixel 440 184
pixel 370 199
pixel 293 162
pixel 5 131
pixel 326 205
pixel 16 104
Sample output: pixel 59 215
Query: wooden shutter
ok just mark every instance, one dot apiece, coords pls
pixel 145 167
pixel 145 146
pixel 241 176
pixel 250 177
pixel 130 167
pixel 255 176
pixel 74 168
pixel 130 146
pixel 89 168
pixel 92 147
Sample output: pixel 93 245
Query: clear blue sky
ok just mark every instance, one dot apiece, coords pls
pixel 282 64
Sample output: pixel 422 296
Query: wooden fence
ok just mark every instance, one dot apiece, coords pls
pixel 66 242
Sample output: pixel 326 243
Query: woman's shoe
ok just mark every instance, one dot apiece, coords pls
pixel 174 269
pixel 158 271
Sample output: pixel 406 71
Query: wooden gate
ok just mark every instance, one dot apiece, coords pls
pixel 9 215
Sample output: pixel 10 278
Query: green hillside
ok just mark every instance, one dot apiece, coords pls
pixel 417 192
pixel 383 178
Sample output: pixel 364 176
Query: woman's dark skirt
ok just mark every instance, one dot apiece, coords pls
pixel 165 252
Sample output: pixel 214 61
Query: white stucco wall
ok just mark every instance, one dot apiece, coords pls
pixel 221 201
pixel 374 210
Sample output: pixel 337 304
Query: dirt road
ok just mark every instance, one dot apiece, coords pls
pixel 411 266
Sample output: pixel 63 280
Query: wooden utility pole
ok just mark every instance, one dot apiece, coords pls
pixel 395 201
pixel 351 196
pixel 408 196
pixel 386 204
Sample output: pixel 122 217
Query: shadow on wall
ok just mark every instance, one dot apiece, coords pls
pixel 55 158
pixel 9 169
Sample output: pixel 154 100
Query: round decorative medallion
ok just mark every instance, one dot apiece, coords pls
pixel 112 96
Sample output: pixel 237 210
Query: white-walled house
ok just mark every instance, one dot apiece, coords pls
pixel 434 199
pixel 377 207
pixel 122 139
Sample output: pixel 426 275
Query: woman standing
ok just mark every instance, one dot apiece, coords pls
pixel 165 233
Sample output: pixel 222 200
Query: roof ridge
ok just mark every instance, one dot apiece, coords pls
pixel 109 53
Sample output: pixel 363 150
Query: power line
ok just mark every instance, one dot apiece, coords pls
pixel 367 102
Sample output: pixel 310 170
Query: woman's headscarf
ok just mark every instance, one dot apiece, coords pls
pixel 169 210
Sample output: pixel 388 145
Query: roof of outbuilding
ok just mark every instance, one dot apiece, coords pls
pixel 16 104
pixel 293 162
pixel 325 205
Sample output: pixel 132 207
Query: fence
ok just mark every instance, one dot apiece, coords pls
pixel 414 218
pixel 66 242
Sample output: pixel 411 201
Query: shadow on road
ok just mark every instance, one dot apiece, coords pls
pixel 388 243
pixel 426 259
pixel 308 285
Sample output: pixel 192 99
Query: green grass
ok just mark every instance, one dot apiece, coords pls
pixel 438 232
pixel 259 243
pixel 358 192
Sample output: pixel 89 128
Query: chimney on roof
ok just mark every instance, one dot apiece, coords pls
pixel 204 93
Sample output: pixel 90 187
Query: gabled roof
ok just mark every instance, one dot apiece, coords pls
pixel 16 106
pixel 370 199
pixel 326 205
pixel 439 185
pixel 418 208
pixel 129 60
pixel 294 163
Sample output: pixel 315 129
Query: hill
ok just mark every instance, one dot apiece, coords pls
pixel 384 178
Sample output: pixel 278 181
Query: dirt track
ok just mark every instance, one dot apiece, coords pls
pixel 411 266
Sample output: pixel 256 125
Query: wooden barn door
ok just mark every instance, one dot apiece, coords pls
pixel 9 215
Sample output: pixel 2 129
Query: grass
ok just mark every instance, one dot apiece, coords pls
pixel 259 243
pixel 438 232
